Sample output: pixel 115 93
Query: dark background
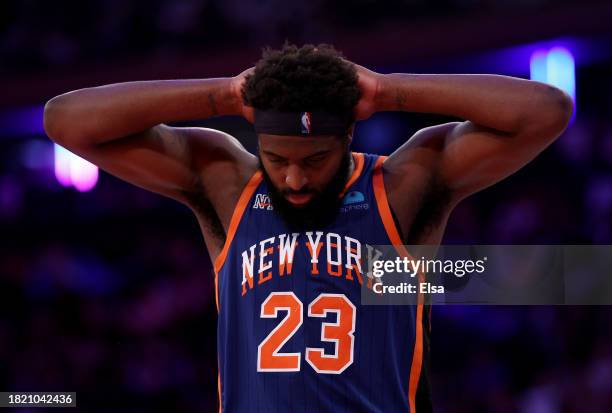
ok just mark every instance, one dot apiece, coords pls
pixel 109 292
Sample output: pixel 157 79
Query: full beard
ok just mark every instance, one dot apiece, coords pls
pixel 320 211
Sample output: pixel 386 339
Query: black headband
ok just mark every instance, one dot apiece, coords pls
pixel 274 122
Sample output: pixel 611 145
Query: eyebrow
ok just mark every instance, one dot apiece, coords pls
pixel 321 152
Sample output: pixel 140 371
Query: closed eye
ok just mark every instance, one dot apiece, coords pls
pixel 276 161
pixel 316 158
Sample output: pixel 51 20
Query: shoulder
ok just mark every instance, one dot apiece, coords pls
pixel 223 168
pixel 416 195
pixel 421 150
pixel 211 146
pixel 418 160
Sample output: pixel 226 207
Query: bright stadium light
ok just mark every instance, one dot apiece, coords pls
pixel 555 67
pixel 71 170
pixel 560 70
pixel 537 65
pixel 83 173
pixel 62 165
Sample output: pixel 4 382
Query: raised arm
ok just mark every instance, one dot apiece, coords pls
pixel 508 121
pixel 120 128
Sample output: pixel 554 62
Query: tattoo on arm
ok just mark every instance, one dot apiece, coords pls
pixel 400 98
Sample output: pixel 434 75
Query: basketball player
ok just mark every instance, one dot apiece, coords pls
pixel 285 228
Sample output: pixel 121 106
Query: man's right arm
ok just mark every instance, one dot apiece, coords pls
pixel 120 128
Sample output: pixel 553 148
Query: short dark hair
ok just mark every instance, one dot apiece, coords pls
pixel 308 78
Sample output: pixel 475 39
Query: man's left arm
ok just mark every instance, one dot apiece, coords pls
pixel 509 121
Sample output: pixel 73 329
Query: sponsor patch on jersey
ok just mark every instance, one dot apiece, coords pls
pixel 354 201
pixel 353 197
pixel 262 201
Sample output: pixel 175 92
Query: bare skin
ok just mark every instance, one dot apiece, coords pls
pixel 510 121
pixel 121 129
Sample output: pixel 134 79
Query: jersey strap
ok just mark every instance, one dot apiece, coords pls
pixel 241 205
pixel 387 219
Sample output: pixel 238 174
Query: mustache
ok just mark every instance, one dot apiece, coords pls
pixel 300 192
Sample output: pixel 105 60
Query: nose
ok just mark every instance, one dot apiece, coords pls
pixel 295 179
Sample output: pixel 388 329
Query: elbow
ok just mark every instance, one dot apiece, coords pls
pixel 54 119
pixel 553 114
pixel 65 121
pixel 562 106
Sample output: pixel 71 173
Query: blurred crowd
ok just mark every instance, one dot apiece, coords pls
pixel 122 314
pixel 58 35
pixel 110 293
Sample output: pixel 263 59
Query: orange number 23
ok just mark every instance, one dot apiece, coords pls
pixel 340 333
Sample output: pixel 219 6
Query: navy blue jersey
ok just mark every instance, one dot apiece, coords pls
pixel 292 333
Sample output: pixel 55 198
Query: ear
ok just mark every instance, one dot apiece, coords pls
pixel 350 133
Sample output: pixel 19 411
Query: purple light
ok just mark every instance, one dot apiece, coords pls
pixel 537 65
pixel 22 121
pixel 62 165
pixel 37 154
pixel 71 170
pixel 555 66
pixel 83 173
pixel 515 61
pixel 377 133
pixel 561 70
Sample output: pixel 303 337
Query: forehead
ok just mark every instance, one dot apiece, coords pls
pixel 296 145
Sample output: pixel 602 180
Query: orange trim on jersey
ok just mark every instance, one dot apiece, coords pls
pixel 383 204
pixel 417 357
pixel 387 218
pixel 241 205
pixel 219 390
pixel 359 161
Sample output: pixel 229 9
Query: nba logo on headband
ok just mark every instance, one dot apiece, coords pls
pixel 306 123
pixel 286 123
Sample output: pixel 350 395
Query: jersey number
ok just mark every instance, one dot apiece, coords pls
pixel 340 333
